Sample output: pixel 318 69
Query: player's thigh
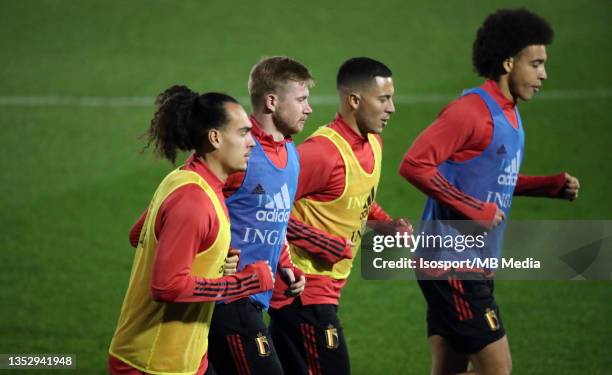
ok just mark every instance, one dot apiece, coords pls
pixel 314 336
pixel 330 343
pixel 261 355
pixel 444 359
pixel 285 326
pixel 240 341
pixel 285 331
pixel 316 350
pixel 493 359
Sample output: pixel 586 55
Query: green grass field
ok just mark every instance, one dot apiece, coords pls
pixel 74 180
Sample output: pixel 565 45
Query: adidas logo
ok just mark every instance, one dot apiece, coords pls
pixel 258 190
pixel 510 175
pixel 502 150
pixel 276 208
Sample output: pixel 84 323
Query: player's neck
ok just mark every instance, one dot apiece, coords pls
pixel 504 86
pixel 213 163
pixel 266 124
pixel 350 120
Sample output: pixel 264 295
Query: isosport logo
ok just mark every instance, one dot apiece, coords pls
pixel 275 208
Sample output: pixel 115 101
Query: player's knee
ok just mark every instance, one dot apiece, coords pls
pixel 503 368
pixel 508 366
pixel 508 363
pixel 498 362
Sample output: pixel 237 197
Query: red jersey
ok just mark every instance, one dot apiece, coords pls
pixel 182 233
pixel 322 179
pixel 275 151
pixel 462 131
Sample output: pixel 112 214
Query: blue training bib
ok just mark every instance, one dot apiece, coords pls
pixel 489 177
pixel 259 210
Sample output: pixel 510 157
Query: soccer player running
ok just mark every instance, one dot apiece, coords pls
pixel 259 203
pixel 468 163
pixel 339 172
pixel 183 237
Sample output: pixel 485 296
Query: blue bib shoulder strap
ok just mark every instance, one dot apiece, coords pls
pixel 489 101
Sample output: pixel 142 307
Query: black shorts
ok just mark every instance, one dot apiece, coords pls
pixel 309 339
pixel 239 341
pixel 462 309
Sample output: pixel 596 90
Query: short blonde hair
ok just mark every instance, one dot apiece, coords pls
pixel 271 74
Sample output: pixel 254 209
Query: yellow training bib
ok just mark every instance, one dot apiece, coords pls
pixel 345 216
pixel 168 338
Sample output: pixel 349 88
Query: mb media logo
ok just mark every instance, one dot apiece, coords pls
pixel 275 208
pixel 511 169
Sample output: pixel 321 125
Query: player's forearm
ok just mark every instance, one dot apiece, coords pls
pixel 253 279
pixel 431 182
pixel 284 260
pixel 457 129
pixel 377 213
pixel 539 186
pixel 317 242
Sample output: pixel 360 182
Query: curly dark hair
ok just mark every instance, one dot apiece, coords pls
pixel 504 34
pixel 183 119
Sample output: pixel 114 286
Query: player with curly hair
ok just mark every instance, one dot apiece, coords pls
pixel 468 162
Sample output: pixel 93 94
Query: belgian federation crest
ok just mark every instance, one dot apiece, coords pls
pixel 331 337
pixel 263 347
pixel 492 320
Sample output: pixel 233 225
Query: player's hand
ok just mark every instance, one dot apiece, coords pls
pixel 231 262
pixel 494 222
pixel 401 225
pixel 570 188
pixel 267 264
pixel 404 226
pixel 499 217
pixel 295 287
pixel 348 250
pixel 264 271
pixel 270 269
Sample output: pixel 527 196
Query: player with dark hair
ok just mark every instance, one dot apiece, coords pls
pixel 183 237
pixel 259 201
pixel 339 172
pixel 468 162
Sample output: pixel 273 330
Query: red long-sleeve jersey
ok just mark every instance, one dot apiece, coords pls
pixel 462 131
pixel 322 179
pixel 182 233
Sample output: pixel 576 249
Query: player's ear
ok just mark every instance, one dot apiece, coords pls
pixel 353 100
pixel 508 64
pixel 215 138
pixel 270 102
